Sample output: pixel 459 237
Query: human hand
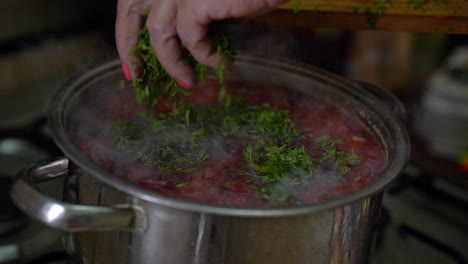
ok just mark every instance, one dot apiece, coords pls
pixel 169 21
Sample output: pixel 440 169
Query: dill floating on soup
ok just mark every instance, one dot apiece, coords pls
pixel 232 143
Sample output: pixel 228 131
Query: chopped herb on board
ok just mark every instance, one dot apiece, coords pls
pixel 417 4
pixel 374 14
pixel 297 6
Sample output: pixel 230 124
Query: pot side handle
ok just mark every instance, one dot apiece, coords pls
pixel 64 216
pixel 388 99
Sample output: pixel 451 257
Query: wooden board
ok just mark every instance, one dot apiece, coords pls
pixel 397 23
pixel 392 7
pixel 444 16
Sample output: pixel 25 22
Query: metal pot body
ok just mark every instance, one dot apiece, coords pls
pixel 108 220
pixel 339 235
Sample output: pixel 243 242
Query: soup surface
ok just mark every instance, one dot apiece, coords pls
pixel 260 148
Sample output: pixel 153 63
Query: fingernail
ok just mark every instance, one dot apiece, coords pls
pixel 183 84
pixel 126 71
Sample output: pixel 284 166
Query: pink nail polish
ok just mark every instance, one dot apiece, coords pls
pixel 126 71
pixel 183 84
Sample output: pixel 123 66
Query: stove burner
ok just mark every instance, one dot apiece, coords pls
pixel 33 135
pixel 424 183
pixel 437 245
pixel 11 219
pixel 21 239
pixel 54 256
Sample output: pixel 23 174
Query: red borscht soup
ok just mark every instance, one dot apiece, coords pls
pixel 261 147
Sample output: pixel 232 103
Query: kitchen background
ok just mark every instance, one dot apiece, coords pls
pixel 43 43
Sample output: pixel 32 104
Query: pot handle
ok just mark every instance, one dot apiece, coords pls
pixel 388 99
pixel 64 216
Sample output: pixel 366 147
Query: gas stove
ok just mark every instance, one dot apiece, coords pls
pixel 423 221
pixel 42 44
pixel 23 240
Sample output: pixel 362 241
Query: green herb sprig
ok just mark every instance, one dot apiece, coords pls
pixel 331 154
pixel 154 82
pixel 189 135
pixel 184 140
pixel 272 163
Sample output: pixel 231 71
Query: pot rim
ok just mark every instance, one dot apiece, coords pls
pixel 56 121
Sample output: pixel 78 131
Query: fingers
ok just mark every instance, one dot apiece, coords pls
pixel 193 18
pixel 127 26
pixel 193 35
pixel 170 20
pixel 161 24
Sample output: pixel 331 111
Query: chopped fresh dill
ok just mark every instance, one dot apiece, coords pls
pixel 356 10
pixel 380 6
pixel 188 137
pixel 331 154
pixel 297 6
pixel 121 84
pixel 154 83
pixel 373 16
pixel 184 139
pixel 417 4
pixel 273 163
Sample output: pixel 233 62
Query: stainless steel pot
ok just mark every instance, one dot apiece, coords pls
pixel 111 221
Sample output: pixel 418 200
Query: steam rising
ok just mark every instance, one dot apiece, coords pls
pixel 162 156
